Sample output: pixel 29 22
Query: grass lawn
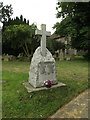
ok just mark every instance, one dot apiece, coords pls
pixel 17 103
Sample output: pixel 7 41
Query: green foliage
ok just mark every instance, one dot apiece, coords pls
pixel 54 45
pixel 66 28
pixel 87 56
pixel 17 21
pixel 20 36
pixel 7 11
pixel 49 45
pixel 74 22
pixel 16 34
pixel 58 45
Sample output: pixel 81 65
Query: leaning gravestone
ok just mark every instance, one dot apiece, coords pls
pixel 43 65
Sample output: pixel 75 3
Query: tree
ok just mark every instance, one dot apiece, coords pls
pixel 49 43
pixel 74 22
pixel 57 45
pixel 17 21
pixel 7 11
pixel 54 45
pixel 20 36
pixel 21 17
pixel 25 20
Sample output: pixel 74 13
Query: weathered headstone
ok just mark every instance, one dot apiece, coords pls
pixel 6 58
pixel 68 50
pixel 43 65
pixel 72 54
pixel 75 52
pixel 68 55
pixel 61 55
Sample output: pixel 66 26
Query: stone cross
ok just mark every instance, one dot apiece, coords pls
pixel 43 33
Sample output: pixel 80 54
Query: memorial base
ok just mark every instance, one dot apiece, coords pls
pixel 30 88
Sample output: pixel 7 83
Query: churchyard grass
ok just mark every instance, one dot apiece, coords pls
pixel 17 103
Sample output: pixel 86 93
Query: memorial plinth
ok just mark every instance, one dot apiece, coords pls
pixel 43 66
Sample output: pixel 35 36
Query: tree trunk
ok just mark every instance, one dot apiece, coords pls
pixel 27 48
pixel 25 51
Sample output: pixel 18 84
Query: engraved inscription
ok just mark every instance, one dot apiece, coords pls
pixel 46 68
pixel 42 68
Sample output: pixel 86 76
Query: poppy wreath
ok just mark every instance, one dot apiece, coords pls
pixel 48 83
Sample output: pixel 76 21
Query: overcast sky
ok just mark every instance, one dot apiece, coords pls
pixel 37 11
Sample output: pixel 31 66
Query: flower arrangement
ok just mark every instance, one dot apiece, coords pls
pixel 48 83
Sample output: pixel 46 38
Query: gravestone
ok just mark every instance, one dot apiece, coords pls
pixel 75 52
pixel 43 66
pixel 72 54
pixel 68 55
pixel 6 58
pixel 61 55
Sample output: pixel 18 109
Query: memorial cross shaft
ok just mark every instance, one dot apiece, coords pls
pixel 43 33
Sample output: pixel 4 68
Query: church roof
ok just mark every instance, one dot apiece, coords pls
pixel 55 36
